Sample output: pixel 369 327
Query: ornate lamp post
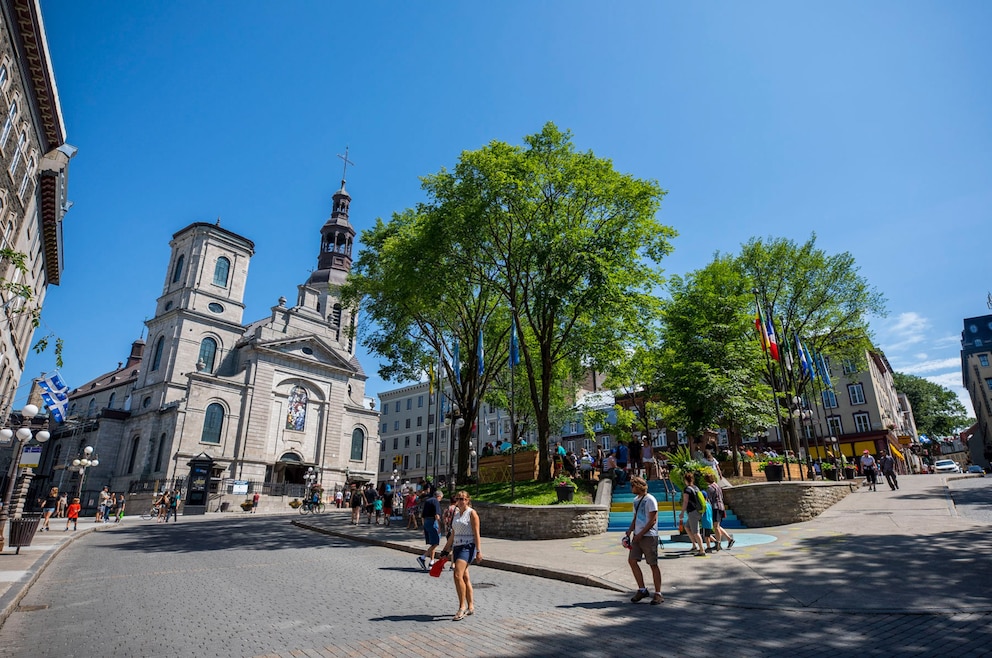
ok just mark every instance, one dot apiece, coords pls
pixel 81 464
pixel 454 422
pixel 23 435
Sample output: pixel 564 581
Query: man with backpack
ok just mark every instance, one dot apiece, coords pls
pixel 641 539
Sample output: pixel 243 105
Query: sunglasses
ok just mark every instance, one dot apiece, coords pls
pixel 459 498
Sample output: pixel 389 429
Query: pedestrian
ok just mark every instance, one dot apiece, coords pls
pixel 691 513
pixel 173 507
pixel 647 458
pixel 714 493
pixel 635 456
pixel 641 540
pixel 338 498
pixel 356 504
pixel 410 509
pixel 101 507
pixel 379 505
pixel 432 528
pixel 72 514
pixel 622 456
pixel 888 466
pixel 162 504
pixel 120 508
pixel 111 511
pixel 465 546
pixel 61 506
pixel 370 498
pixel 254 501
pixel 48 507
pixel 868 469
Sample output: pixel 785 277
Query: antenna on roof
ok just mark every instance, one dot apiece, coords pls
pixel 989 300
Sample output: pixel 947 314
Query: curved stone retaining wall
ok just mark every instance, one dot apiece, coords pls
pixel 542 521
pixel 780 503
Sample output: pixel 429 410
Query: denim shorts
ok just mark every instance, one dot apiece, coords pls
pixel 464 552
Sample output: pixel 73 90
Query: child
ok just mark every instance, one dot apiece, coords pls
pixel 72 515
pixel 377 506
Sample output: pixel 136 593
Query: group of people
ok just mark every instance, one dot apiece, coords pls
pixel 459 524
pixel 628 459
pixel 168 506
pixel 110 505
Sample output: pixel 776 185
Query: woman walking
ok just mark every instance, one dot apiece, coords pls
pixel 691 513
pixel 715 495
pixel 48 507
pixel 464 542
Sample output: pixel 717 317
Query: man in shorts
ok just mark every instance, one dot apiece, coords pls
pixel 642 540
pixel 432 529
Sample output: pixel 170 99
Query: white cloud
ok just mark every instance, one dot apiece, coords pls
pixel 930 366
pixel 952 381
pixel 906 330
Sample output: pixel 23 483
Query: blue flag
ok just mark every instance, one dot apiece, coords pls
pixel 482 359
pixel 514 347
pixel 457 365
pixel 821 366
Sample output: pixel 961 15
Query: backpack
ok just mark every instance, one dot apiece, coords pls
pixel 701 500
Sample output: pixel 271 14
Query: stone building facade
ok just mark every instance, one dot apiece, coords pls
pixel 266 401
pixel 34 159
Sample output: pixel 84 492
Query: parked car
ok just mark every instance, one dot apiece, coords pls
pixel 976 469
pixel 946 466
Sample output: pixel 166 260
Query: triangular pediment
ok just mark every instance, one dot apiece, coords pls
pixel 309 349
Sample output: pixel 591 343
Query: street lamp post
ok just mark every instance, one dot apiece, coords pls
pixel 81 464
pixel 454 422
pixel 23 435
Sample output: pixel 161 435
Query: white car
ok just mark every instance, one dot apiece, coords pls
pixel 946 466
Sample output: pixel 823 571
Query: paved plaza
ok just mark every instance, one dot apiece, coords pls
pixel 881 573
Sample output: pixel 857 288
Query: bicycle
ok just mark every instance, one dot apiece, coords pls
pixel 310 507
pixel 151 513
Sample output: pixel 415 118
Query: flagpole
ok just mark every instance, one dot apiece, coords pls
pixel 771 371
pixel 785 389
pixel 513 415
pixel 797 419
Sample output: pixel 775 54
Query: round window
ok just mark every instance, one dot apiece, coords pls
pixel 168 305
pixel 215 307
pixel 308 351
pixel 973 328
pixel 147 401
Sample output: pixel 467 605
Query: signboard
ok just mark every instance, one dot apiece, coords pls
pixel 240 487
pixel 30 457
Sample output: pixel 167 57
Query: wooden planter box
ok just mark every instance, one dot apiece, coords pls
pixel 497 468
pixel 750 469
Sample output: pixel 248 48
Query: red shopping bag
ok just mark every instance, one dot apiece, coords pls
pixel 438 567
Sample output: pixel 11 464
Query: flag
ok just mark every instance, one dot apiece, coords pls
pixel 430 379
pixel 457 366
pixel 55 395
pixel 804 365
pixel 482 359
pixel 821 365
pixel 514 347
pixel 772 343
pixel 759 325
pixel 787 348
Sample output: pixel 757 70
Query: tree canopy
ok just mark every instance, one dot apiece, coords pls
pixel 936 409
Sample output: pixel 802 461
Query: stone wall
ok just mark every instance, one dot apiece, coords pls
pixel 542 521
pixel 780 503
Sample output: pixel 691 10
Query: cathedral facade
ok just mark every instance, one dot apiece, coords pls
pixel 271 402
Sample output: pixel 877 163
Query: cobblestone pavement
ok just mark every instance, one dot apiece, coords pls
pixel 262 587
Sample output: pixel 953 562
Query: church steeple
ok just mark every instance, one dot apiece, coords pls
pixel 336 239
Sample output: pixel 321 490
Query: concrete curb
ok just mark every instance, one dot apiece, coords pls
pixel 502 565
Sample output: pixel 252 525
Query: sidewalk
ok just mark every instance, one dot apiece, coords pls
pixel 876 552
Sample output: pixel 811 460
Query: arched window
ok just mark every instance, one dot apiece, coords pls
pixel 213 421
pixel 357 444
pixel 208 350
pixel 3 76
pixel 91 409
pixel 113 398
pixel 296 417
pixel 161 453
pixel 8 124
pixel 157 357
pixel 26 178
pixel 178 271
pixel 134 454
pixel 221 269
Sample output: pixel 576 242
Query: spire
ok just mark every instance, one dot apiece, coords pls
pixel 336 237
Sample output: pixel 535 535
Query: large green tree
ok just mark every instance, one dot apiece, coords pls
pixel 937 410
pixel 553 240
pixel 710 365
pixel 820 297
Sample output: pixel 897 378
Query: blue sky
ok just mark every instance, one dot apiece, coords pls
pixel 867 123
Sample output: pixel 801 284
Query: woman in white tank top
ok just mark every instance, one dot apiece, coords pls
pixel 464 542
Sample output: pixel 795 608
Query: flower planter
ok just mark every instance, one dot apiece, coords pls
pixel 774 472
pixel 246 506
pixel 564 494
pixel 497 468
pixel 750 469
pixel 850 473
pixel 830 474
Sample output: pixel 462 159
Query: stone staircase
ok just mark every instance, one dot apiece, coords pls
pixel 669 504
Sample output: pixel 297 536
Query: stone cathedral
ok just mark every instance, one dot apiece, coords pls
pixel 264 401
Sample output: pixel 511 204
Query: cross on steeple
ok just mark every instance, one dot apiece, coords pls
pixel 347 162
